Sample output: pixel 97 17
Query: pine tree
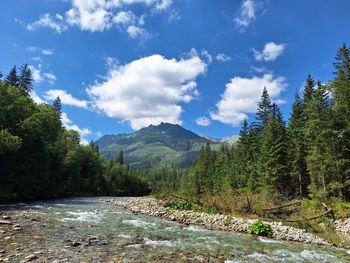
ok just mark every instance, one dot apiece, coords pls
pixel 25 82
pixel 120 158
pixel 318 132
pixel 342 62
pixel 57 105
pixel 264 108
pixel 297 147
pixel 12 78
pixel 220 179
pixel 0 75
pixel 273 161
pixel 309 89
pixel 341 121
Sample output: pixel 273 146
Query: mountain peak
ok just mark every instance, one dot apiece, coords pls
pixel 165 144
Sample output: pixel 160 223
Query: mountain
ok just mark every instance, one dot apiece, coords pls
pixel 161 145
pixel 231 140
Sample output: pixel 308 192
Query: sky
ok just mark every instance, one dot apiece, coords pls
pixel 120 65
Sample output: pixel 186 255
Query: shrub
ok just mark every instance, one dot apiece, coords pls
pixel 180 205
pixel 260 229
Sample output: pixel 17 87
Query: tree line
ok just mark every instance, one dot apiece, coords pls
pixel 307 157
pixel 41 159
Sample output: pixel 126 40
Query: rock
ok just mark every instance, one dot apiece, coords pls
pixel 5 217
pixel 2 251
pixel 16 227
pixel 7 238
pixel 39 252
pixel 30 257
pixel 76 244
pixel 5 222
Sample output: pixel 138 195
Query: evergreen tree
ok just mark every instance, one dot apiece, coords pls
pixel 57 105
pixel 120 158
pixel 12 78
pixel 221 179
pixel 317 132
pixel 25 82
pixel 342 62
pixel 273 160
pixel 341 122
pixel 297 147
pixel 0 75
pixel 264 108
pixel 309 89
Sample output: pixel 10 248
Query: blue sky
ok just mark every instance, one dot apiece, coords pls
pixel 119 65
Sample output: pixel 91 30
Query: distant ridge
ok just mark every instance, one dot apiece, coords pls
pixel 163 145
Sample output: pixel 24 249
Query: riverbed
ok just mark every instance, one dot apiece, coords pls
pixel 86 230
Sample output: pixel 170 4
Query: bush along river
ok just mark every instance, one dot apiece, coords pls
pixel 94 230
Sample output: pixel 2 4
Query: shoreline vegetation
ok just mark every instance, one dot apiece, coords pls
pixel 272 164
pixel 214 221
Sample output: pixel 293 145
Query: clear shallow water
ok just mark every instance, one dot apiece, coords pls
pixel 120 236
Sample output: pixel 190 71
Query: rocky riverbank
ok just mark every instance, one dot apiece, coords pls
pixel 155 207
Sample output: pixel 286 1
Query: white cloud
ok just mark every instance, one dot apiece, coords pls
pixel 260 69
pixel 66 98
pixel 37 59
pixel 137 32
pixel 203 121
pixel 162 4
pixel 270 52
pixel 69 125
pixel 247 14
pixel 242 96
pixel 50 78
pixel 223 57
pixel 204 54
pixel 55 23
pixel 47 52
pixel 148 90
pixel 39 76
pixel 173 16
pixel 43 51
pixel 36 98
pixel 89 15
pixel 99 15
pixel 207 56
pixel 125 18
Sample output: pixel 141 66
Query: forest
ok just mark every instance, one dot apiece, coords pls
pixel 276 161
pixel 40 159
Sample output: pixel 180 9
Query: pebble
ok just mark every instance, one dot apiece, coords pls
pixel 30 257
pixel 155 207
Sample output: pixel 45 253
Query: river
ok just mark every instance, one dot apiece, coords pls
pixel 86 230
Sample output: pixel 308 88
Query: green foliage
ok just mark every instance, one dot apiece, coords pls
pixel 259 228
pixel 40 159
pixel 154 147
pixel 180 205
pixel 309 157
pixel 8 142
pixel 12 78
pixel 25 80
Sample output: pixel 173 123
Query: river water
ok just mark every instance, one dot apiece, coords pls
pixel 86 230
